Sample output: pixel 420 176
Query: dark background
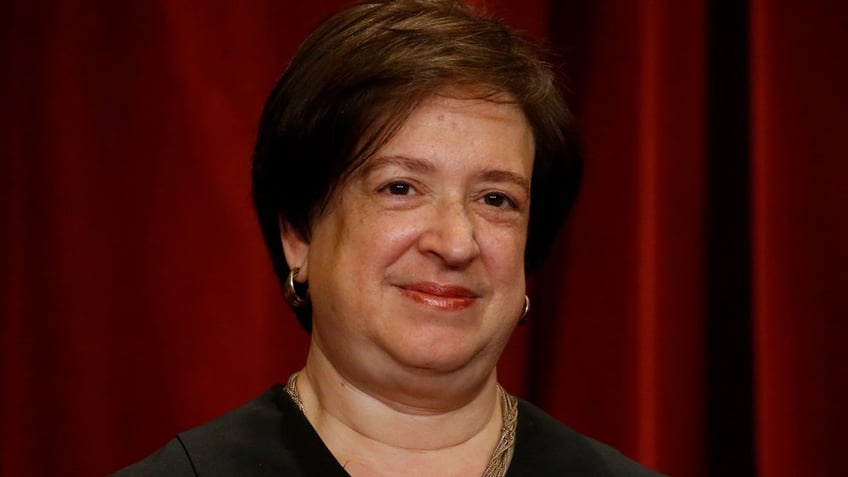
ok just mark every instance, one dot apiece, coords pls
pixel 693 313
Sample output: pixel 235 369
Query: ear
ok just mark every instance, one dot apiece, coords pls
pixel 296 249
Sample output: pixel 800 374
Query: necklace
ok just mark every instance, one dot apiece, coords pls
pixel 501 456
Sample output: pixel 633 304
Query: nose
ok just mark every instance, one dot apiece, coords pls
pixel 450 236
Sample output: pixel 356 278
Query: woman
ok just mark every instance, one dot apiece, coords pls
pixel 393 176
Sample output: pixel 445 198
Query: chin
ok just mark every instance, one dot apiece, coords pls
pixel 436 355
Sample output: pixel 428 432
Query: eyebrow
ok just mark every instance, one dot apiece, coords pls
pixel 423 165
pixel 404 162
pixel 498 175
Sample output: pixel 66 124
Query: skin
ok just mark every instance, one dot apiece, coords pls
pixel 416 275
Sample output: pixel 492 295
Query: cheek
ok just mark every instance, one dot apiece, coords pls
pixel 503 252
pixel 383 238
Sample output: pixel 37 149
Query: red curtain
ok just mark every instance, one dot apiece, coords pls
pixel 693 313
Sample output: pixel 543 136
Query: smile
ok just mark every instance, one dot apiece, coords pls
pixel 443 297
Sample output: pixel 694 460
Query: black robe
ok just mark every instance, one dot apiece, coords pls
pixel 269 436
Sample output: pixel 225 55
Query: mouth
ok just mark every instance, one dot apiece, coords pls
pixel 439 296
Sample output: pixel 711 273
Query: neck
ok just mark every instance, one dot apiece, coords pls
pixel 370 429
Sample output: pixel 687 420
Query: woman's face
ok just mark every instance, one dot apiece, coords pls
pixel 417 264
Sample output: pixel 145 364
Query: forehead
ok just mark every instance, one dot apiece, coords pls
pixel 464 127
pixel 455 132
pixel 474 101
pixel 458 121
pixel 450 112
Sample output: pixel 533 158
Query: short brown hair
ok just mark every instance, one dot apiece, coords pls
pixel 358 77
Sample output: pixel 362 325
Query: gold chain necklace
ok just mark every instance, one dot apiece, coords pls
pixel 501 456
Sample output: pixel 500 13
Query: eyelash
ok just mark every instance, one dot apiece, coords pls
pixel 403 188
pixel 398 186
pixel 507 201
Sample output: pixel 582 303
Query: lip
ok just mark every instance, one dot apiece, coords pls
pixel 440 296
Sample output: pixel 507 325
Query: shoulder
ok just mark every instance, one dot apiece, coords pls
pixel 544 446
pixel 245 441
pixel 169 460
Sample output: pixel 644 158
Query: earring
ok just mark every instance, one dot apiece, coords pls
pixel 291 294
pixel 523 316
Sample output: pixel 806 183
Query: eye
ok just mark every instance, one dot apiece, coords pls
pixel 499 200
pixel 397 188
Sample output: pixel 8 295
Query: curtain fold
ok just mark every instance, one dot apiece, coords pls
pixel 693 312
pixel 799 73
pixel 630 304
